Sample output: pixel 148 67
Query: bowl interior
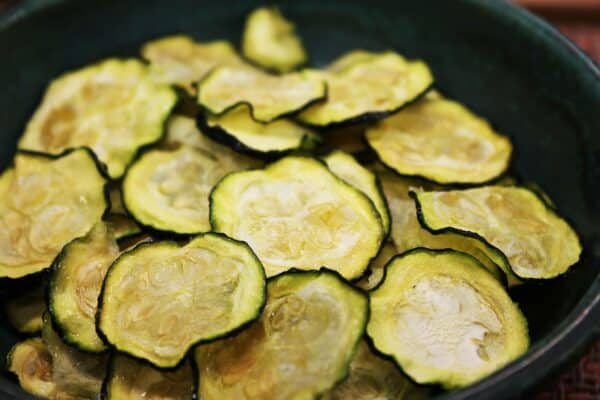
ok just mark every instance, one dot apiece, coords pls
pixel 483 53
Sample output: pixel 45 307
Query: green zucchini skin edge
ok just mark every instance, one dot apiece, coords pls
pixel 190 349
pixel 213 224
pixel 434 385
pixel 304 106
pixel 370 116
pixel 222 136
pixel 316 273
pixel 474 235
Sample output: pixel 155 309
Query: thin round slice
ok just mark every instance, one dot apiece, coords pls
pixel 295 213
pixel 75 284
pixel 372 377
pixel 371 89
pixel 129 379
pixel 181 61
pixel 112 107
pixel 46 202
pixel 407 233
pixel 77 374
pixel 440 140
pixel 237 129
pixel 31 362
pixel 350 171
pixel 269 96
pixel 270 41
pixel 535 242
pixel 445 319
pixel 168 189
pixel 184 131
pixel 25 311
pixel 301 346
pixel 161 298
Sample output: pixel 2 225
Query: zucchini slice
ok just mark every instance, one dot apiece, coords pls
pixel 168 189
pixel 122 226
pixel 181 61
pixel 111 107
pixel 512 221
pixel 270 40
pixel 301 346
pixel 184 131
pixel 75 373
pixel 373 377
pixel 376 271
pixel 350 59
pixel 31 362
pixel 25 311
pixel 241 132
pixel 407 233
pixel 442 141
pixel 161 298
pixel 298 220
pixel 472 327
pixel 129 379
pixel 75 284
pixel 269 96
pixel 371 89
pixel 344 166
pixel 46 202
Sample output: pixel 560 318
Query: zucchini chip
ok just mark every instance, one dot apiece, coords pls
pixel 298 220
pixel 472 327
pixel 269 96
pixel 301 346
pixel 181 61
pixel 161 298
pixel 350 59
pixel 31 362
pixel 442 141
pixel 184 131
pixel 344 166
pixel 112 107
pixel 129 379
pixel 77 374
pixel 25 311
pixel 407 233
pixel 270 40
pixel 45 203
pixel 373 377
pixel 241 132
pixel 75 284
pixel 371 89
pixel 122 226
pixel 376 271
pixel 168 189
pixel 513 221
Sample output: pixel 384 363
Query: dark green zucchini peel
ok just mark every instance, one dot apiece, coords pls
pixel 161 298
pixel 444 319
pixel 112 107
pixel 295 213
pixel 301 346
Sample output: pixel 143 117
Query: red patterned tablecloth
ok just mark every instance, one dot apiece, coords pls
pixel 580 381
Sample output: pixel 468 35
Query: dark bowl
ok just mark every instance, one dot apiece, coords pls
pixel 498 59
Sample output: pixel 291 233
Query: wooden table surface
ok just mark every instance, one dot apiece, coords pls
pixel 579 20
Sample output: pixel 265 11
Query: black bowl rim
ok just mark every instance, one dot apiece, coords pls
pixel 582 324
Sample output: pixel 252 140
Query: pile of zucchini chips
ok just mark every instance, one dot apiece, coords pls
pixel 197 225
